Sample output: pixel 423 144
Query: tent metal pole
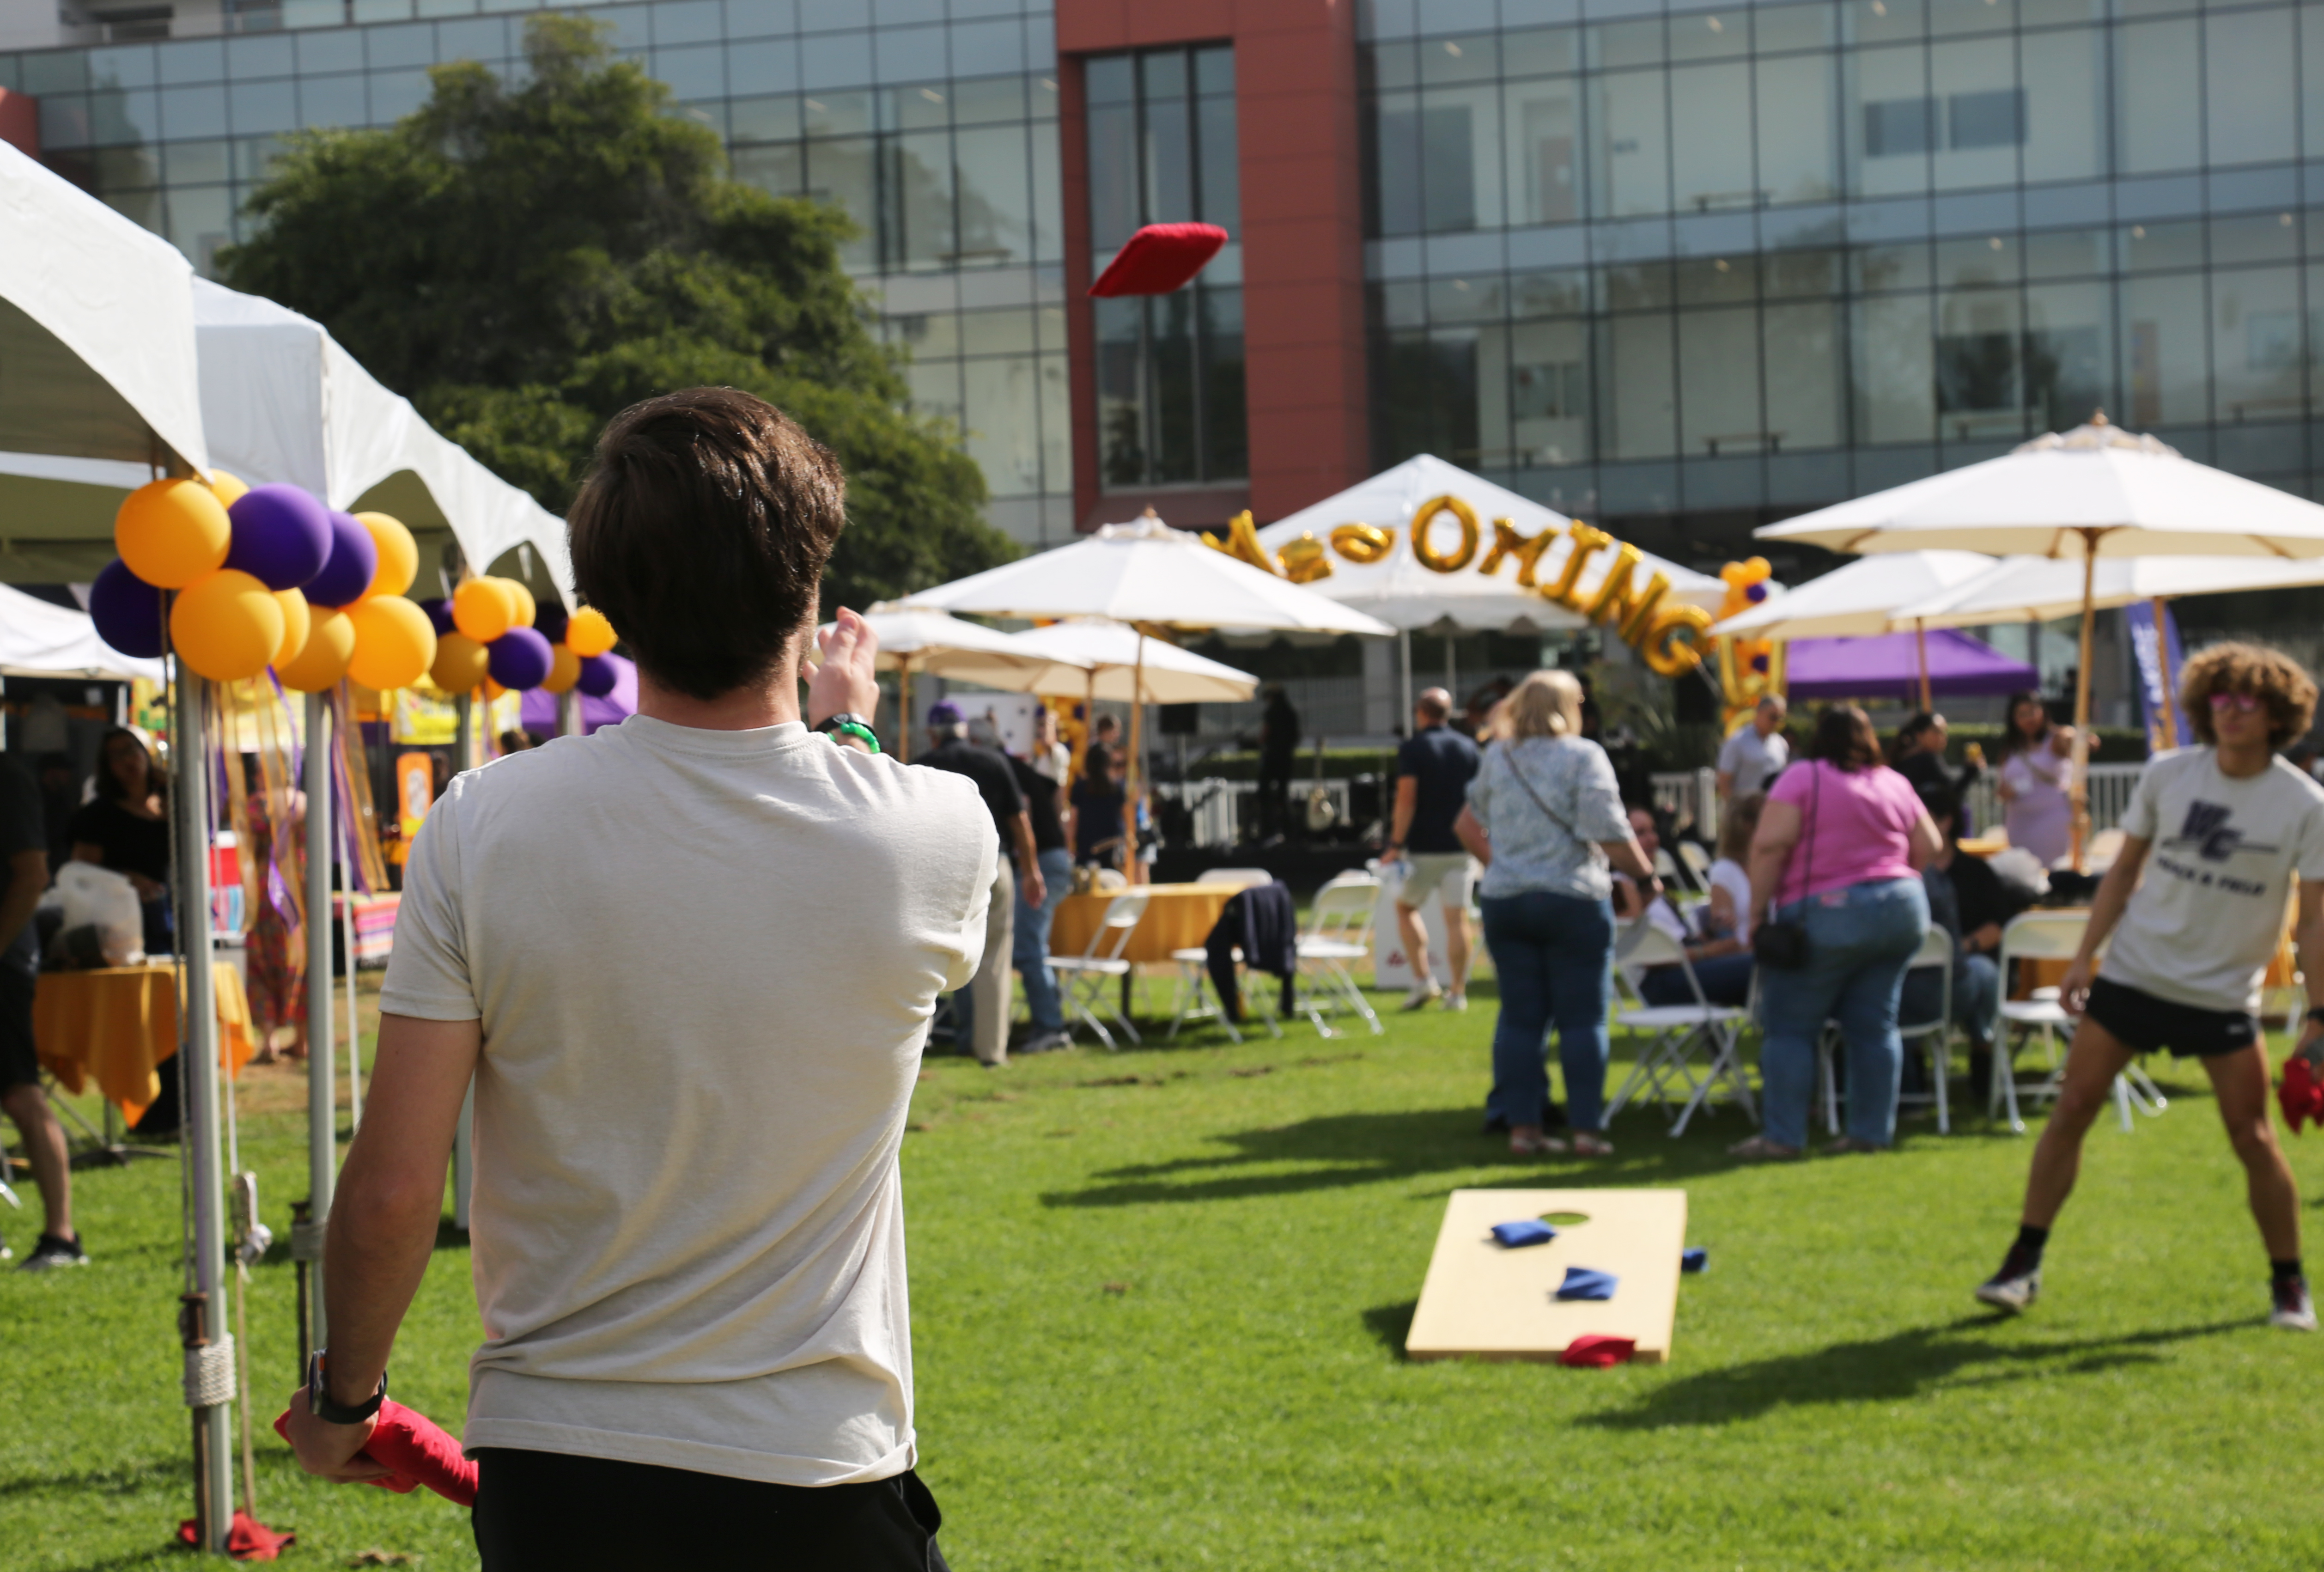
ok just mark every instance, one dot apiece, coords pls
pixel 463 1156
pixel 2170 679
pixel 191 821
pixel 322 1113
pixel 1403 651
pixel 2082 791
pixel 568 713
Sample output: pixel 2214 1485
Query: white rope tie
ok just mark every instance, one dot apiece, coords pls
pixel 307 1240
pixel 209 1374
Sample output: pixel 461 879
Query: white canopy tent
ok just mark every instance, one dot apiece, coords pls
pixel 40 640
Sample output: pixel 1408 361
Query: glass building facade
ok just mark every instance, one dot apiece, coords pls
pixel 934 124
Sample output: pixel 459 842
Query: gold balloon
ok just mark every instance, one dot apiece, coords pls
pixel 1425 550
pixel 523 597
pixel 229 488
pixel 564 668
pixel 317 668
pixel 1303 559
pixel 399 554
pixel 1363 545
pixel 588 633
pixel 460 663
pixel 483 609
pixel 298 618
pixel 226 626
pixel 1672 644
pixel 395 644
pixel 172 532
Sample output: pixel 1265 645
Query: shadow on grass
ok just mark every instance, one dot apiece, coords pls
pixel 1884 1370
pixel 127 1481
pixel 1390 1325
pixel 1360 1149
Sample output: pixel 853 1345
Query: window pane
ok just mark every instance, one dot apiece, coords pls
pixel 2066 253
pixel 1803 376
pixel 1171 345
pixel 1494 445
pixel 1716 35
pixel 2064 109
pixel 1121 390
pixel 1549 392
pixel 2312 80
pixel 996 215
pixel 1056 425
pixel 1799 155
pixel 839 172
pixel 1452 387
pixel 1460 174
pixel 1630 146
pixel 2157 98
pixel 1895 380
pixel 1048 209
pixel 1983 114
pixel 2162 344
pixel 2247 60
pixel 919 203
pixel 1162 74
pixel 1786 27
pixel 776 169
pixel 1394 125
pixel 1222 192
pixel 1215 72
pixel 1003 422
pixel 2256 353
pixel 1226 439
pixel 1638 399
pixel 935 387
pixel 1718 397
pixel 1107 80
pixel 201 220
pixel 1891 122
pixel 2069 354
pixel 1542 138
pixel 1979 395
pixel 1168 164
pixel 1711 162
pixel 1112 174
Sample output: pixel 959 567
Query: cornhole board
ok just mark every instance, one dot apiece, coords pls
pixel 1483 1301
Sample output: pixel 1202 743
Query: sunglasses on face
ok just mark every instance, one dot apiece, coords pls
pixel 2246 702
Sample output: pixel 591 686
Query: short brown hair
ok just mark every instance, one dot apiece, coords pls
pixel 1844 738
pixel 702 531
pixel 2274 677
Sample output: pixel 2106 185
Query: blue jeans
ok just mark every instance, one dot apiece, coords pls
pixel 1031 952
pixel 1555 955
pixel 1859 939
pixel 1725 979
pixel 1977 995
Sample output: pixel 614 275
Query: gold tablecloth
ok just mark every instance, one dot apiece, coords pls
pixel 1176 916
pixel 115 1025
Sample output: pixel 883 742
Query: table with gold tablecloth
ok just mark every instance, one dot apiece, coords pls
pixel 1177 917
pixel 113 1025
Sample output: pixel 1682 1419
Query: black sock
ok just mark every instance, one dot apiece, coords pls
pixel 2285 1270
pixel 2025 1252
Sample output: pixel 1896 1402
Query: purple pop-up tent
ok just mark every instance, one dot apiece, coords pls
pixel 1890 664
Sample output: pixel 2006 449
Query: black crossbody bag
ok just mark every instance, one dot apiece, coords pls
pixel 1783 946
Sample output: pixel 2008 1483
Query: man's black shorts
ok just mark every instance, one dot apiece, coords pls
pixel 551 1511
pixel 2143 1023
pixel 19 1066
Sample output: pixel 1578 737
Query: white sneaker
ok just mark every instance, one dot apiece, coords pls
pixel 1456 1003
pixel 2295 1310
pixel 1423 995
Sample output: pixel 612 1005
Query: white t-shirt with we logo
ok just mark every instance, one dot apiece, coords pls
pixel 2206 918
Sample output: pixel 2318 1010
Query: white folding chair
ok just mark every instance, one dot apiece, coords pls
pixel 1935 954
pixel 1084 976
pixel 2054 935
pixel 1698 863
pixel 1339 931
pixel 1195 986
pixel 1666 1070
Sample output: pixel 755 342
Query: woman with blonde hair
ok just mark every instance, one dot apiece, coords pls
pixel 1544 818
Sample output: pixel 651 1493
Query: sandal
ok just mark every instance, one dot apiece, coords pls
pixel 1589 1144
pixel 1535 1145
pixel 1849 1146
pixel 1759 1149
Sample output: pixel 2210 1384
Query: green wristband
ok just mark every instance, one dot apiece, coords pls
pixel 854 729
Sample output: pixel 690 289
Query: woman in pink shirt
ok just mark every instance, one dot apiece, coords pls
pixel 1837 855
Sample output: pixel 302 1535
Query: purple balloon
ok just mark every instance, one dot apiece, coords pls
pixel 282 536
pixel 439 611
pixel 519 659
pixel 348 571
pixel 1754 592
pixel 597 676
pixel 550 619
pixel 127 610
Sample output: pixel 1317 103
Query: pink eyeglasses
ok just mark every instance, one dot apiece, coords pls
pixel 2246 702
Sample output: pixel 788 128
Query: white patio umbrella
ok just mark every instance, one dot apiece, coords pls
pixel 2091 493
pixel 1860 599
pixel 1103 660
pixel 1154 578
pixel 938 644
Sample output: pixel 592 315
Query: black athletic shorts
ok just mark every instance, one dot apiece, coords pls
pixel 551 1511
pixel 19 1066
pixel 2142 1022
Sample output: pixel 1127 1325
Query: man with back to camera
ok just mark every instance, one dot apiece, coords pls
pixel 1755 753
pixel 1433 767
pixel 689 962
pixel 2220 831
pixel 987 997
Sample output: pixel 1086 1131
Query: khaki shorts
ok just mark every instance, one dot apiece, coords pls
pixel 1445 874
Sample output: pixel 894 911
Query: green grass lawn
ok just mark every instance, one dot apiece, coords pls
pixel 1160 1302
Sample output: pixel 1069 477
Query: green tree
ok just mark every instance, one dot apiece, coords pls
pixel 524 262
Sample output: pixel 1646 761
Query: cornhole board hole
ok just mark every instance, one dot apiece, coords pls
pixel 1484 1301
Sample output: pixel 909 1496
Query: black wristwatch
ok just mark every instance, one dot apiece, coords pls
pixel 321 1404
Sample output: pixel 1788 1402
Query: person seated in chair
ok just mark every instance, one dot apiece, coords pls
pixel 1968 900
pixel 1721 963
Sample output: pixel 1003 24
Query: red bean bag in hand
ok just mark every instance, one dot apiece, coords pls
pixel 417 1449
pixel 1160 258
pixel 2300 1093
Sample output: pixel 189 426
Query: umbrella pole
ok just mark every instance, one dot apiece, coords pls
pixel 2162 664
pixel 1921 648
pixel 904 708
pixel 322 1113
pixel 1129 864
pixel 2081 792
pixel 1403 646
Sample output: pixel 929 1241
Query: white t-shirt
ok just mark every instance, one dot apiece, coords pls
pixel 1750 761
pixel 705 962
pixel 2210 909
pixel 1731 877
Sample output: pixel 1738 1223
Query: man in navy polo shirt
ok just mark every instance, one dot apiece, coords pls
pixel 1433 771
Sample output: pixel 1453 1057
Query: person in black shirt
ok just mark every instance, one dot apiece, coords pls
pixel 24 852
pixel 984 1003
pixel 1035 912
pixel 1921 759
pixel 1433 771
pixel 124 828
pixel 1098 799
pixel 1279 748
